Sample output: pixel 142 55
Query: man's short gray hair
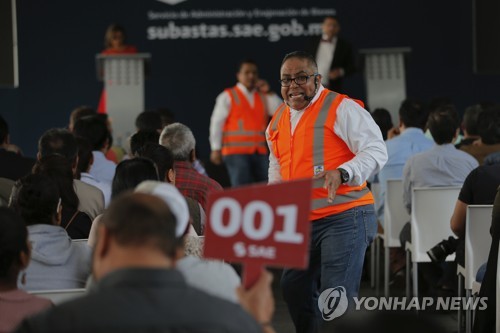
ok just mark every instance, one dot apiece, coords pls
pixel 179 139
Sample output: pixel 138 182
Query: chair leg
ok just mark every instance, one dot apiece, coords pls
pixel 460 294
pixel 415 279
pixel 372 265
pixel 377 266
pixel 408 278
pixel 468 313
pixel 386 271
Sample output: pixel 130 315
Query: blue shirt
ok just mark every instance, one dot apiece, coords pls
pixel 399 149
pixel 443 165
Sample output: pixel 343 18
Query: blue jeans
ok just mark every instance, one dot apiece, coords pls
pixel 247 169
pixel 336 256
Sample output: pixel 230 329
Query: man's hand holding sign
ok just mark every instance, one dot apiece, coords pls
pixel 260 226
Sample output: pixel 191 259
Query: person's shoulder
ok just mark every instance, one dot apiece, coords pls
pixel 80 185
pixel 221 312
pixel 213 184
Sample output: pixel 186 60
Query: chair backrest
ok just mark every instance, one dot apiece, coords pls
pixel 432 208
pixel 59 296
pixel 477 240
pixel 395 213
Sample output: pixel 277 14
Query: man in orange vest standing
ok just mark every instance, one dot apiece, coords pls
pixel 238 124
pixel 320 134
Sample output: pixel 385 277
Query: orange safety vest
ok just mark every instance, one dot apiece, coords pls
pixel 245 126
pixel 314 147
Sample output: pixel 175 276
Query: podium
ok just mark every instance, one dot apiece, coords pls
pixel 385 78
pixel 123 76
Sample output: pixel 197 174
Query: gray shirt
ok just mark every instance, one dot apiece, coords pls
pixel 442 165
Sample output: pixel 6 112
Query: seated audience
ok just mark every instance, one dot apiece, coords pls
pixel 410 141
pixel 164 161
pixel 15 304
pixel 58 169
pixel 148 121
pixel 95 130
pixel 12 164
pixel 58 141
pixel 78 113
pixel 479 188
pixel 85 161
pixel 213 277
pixel 383 119
pixel 469 125
pixel 139 140
pixel 129 174
pixel 488 124
pixel 485 320
pixel 137 289
pixel 166 115
pixel 179 139
pixel 443 165
pixel 56 261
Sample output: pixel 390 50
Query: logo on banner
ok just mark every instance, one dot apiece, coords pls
pixel 333 303
pixel 171 2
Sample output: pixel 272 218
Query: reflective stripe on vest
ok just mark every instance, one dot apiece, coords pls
pixel 339 198
pixel 318 158
pixel 235 96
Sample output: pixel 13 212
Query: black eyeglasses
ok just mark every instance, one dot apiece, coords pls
pixel 299 80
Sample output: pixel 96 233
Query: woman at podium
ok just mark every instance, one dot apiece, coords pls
pixel 114 43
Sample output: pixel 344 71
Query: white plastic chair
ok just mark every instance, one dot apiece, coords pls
pixel 395 217
pixel 59 296
pixel 432 208
pixel 477 247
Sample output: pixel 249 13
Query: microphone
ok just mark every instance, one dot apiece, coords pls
pixel 310 98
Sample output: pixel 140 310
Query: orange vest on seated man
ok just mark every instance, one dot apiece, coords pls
pixel 316 148
pixel 245 126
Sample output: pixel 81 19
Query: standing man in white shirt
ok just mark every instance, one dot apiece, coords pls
pixel 333 55
pixel 332 139
pixel 238 123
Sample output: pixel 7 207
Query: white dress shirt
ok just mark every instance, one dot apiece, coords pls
pixel 102 169
pixel 355 126
pixel 222 107
pixel 324 58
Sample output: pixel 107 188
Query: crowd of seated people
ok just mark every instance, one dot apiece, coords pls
pixel 74 191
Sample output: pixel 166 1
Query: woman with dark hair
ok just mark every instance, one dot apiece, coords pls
pixel 15 304
pixel 130 173
pixel 56 261
pixel 58 169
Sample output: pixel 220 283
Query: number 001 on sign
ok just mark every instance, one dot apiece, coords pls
pixel 260 225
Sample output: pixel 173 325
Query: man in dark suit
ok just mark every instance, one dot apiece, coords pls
pixel 333 55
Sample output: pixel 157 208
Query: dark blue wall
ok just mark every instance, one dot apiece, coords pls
pixel 58 41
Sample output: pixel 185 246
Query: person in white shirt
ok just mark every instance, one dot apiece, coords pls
pixel 334 55
pixel 330 138
pixel 96 132
pixel 85 161
pixel 237 126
